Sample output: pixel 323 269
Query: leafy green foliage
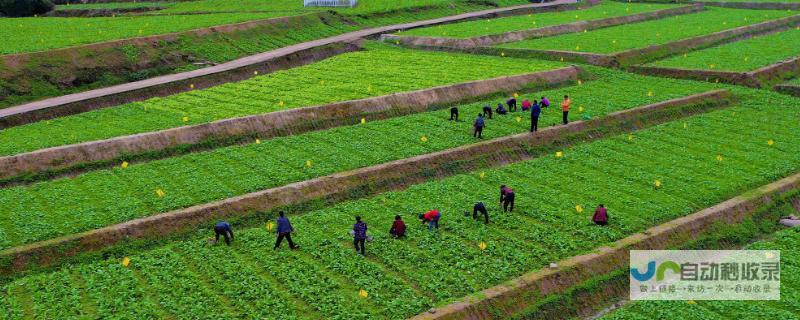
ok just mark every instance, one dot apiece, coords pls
pixel 643 34
pixel 375 72
pixel 476 28
pixel 745 55
pixel 111 196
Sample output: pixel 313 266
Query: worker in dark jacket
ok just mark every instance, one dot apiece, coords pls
pixel 480 207
pixel 360 235
pixel 478 126
pixel 398 229
pixel 285 230
pixel 507 198
pixel 454 114
pixel 512 104
pixel 600 216
pixel 487 110
pixel 500 109
pixel 536 110
pixel 223 228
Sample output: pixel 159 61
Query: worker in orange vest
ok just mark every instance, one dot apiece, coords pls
pixel 565 108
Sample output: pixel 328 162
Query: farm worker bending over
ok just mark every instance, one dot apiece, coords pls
pixel 545 102
pixel 536 110
pixel 507 198
pixel 478 125
pixel 500 109
pixel 398 229
pixel 432 218
pixel 526 105
pixel 454 114
pixel 223 228
pixel 479 207
pixel 600 215
pixel 487 110
pixel 285 230
pixel 565 108
pixel 360 235
pixel 512 104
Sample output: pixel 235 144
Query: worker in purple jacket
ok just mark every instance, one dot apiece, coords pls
pixel 536 110
pixel 545 103
pixel 600 216
pixel 285 230
pixel 360 235
pixel 512 104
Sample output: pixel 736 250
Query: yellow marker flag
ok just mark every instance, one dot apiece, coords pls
pixel 124 164
pixel 397 43
pixel 280 103
pixel 559 154
pixel 630 137
pixel 482 246
pixel 658 184
pixel 502 54
pixel 580 109
pixel 650 93
pixel 160 193
pixel 562 59
pixel 126 262
pixel 363 293
pixel 577 48
pixel 580 82
pixel 770 142
pixel 258 141
pixel 711 66
pixel 308 163
pixel 516 95
pixel 363 120
pixel 578 208
pixel 685 55
pixel 185 119
pixel 519 119
pixel 482 174
pixel 719 158
pixel 270 225
pixel 255 72
pixel 686 125
pixel 423 139
pixel 191 86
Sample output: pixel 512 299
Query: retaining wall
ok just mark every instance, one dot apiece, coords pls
pixel 789 89
pixel 756 5
pixel 274 124
pixel 760 78
pixel 99 56
pixel 580 26
pixel 501 301
pixel 389 176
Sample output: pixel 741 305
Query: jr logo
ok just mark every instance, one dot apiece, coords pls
pixel 651 270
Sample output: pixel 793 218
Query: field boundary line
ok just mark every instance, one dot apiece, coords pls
pixel 392 175
pixel 513 296
pixel 549 31
pixel 274 124
pixel 240 69
pixel 759 78
pixel 790 89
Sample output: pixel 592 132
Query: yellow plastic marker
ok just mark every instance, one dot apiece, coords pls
pixel 719 158
pixel 258 141
pixel 482 246
pixel 630 137
pixel 160 193
pixel 770 142
pixel 423 139
pixel 746 58
pixel 614 41
pixel 397 43
pixel 519 119
pixel 124 164
pixel 685 55
pixel 516 95
pixel 280 103
pixel 270 225
pixel 191 86
pixel 562 59
pixel 482 175
pixel 369 88
pixel 686 125
pixel 502 54
pixel 711 66
pixel 584 30
pixel 185 119
pixel 578 208
pixel 363 120
pixel 559 154
pixel 363 293
pixel 580 82
pixel 650 93
pixel 255 72
pixel 658 184
pixel 691 302
pixel 577 48
pixel 126 262
pixel 580 109
pixel 308 163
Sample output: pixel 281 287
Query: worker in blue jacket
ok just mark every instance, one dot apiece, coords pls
pixel 223 228
pixel 536 110
pixel 285 230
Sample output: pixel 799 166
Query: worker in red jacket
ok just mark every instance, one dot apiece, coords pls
pixel 507 198
pixel 398 229
pixel 431 218
pixel 600 215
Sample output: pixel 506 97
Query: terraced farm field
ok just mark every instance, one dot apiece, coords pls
pixel 476 28
pixel 785 241
pixel 222 173
pixel 375 72
pixel 643 34
pixel 324 279
pixel 742 56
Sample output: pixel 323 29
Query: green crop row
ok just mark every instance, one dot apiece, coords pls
pixel 788 307
pixel 699 161
pixel 742 56
pixel 379 71
pixel 644 34
pixel 477 28
pixel 21 35
pixel 112 5
pixel 111 196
